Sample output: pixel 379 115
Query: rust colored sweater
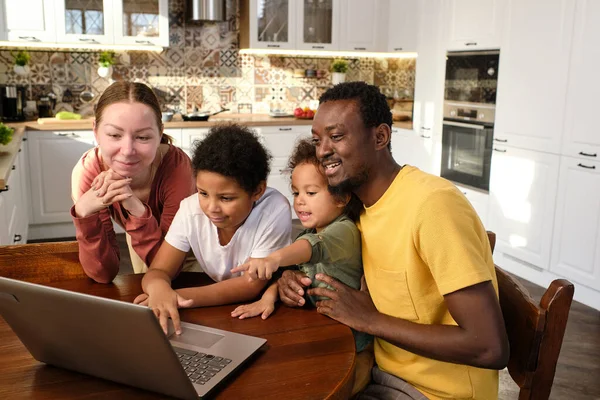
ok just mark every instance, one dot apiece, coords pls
pixel 98 249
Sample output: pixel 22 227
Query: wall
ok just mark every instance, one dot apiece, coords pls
pixel 202 67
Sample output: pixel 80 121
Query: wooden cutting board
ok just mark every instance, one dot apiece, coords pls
pixel 43 121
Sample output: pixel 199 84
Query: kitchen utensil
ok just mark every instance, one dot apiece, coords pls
pixel 87 95
pixel 167 116
pixel 201 115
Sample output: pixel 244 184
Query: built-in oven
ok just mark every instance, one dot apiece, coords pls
pixel 467 137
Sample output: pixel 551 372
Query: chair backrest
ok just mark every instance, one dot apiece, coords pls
pixel 535 331
pixel 41 262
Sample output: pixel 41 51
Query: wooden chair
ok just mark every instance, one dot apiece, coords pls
pixel 41 262
pixel 535 331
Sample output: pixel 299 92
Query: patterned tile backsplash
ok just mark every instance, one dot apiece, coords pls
pixel 202 68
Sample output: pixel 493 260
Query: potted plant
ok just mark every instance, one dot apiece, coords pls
pixel 339 67
pixel 6 134
pixel 21 67
pixel 106 61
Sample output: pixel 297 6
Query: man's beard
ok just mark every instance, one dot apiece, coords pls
pixel 351 184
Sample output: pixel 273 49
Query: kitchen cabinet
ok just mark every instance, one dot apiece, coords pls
pixel 271 24
pixel 403 25
pixel 523 188
pixel 318 24
pixel 189 137
pixel 3 33
pixel 532 77
pixel 581 137
pixel 479 200
pixel 84 22
pixel 409 147
pixel 576 241
pixel 280 141
pixel 429 79
pixel 30 20
pixel 52 156
pixel 14 211
pixel 474 24
pixel 141 23
pixel 361 25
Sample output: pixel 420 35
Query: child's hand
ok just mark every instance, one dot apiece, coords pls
pixel 164 303
pixel 263 306
pixel 258 268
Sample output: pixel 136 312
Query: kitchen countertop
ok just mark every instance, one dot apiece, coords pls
pixel 8 154
pixel 244 119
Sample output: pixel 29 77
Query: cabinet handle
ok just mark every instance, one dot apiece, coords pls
pixel 143 42
pixel 273 45
pixel 465 193
pixel 17 238
pixel 62 134
pixel 285 129
pixel 579 165
pixel 500 140
pixel 360 48
pixel 88 40
pixel 499 150
pixel 398 49
pixel 74 134
pixel 6 189
pixel 588 154
pixel 425 129
pixel 24 139
pixel 471 44
pixel 318 47
pixel 425 136
pixel 20 150
pixel 30 38
pixel 14 167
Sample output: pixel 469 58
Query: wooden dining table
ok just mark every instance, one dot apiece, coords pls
pixel 307 355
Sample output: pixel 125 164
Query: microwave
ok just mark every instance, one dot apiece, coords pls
pixel 12 103
pixel 472 76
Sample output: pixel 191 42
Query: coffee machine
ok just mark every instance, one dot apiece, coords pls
pixel 12 103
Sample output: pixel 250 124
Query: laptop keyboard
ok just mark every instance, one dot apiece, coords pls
pixel 200 367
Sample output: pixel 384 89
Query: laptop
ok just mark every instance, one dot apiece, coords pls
pixel 120 341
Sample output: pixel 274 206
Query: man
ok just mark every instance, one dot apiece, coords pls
pixel 432 301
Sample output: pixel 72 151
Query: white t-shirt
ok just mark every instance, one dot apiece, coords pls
pixel 267 228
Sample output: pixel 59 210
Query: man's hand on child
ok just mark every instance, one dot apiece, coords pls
pixel 258 268
pixel 349 306
pixel 262 307
pixel 291 287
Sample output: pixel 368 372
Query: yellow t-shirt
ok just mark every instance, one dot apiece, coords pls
pixel 420 241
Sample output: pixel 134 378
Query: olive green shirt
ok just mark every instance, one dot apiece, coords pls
pixel 336 251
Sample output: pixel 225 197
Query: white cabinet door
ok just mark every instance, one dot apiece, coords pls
pixel 581 138
pixel 408 147
pixel 141 23
pixel 318 24
pixel 480 202
pixel 272 24
pixel 429 80
pixel 523 186
pixel 280 141
pixel 360 26
pixel 4 240
pixel 30 20
pixel 474 24
pixel 84 22
pixel 189 137
pixel 3 32
pixel 403 27
pixel 52 156
pixel 575 249
pixel 532 76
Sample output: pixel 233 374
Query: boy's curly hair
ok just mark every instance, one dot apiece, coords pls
pixel 305 153
pixel 234 151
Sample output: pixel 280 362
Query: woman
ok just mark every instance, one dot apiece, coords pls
pixel 135 176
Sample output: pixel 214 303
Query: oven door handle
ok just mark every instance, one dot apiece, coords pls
pixel 465 125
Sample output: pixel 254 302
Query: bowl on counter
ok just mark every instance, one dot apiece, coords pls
pixel 167 116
